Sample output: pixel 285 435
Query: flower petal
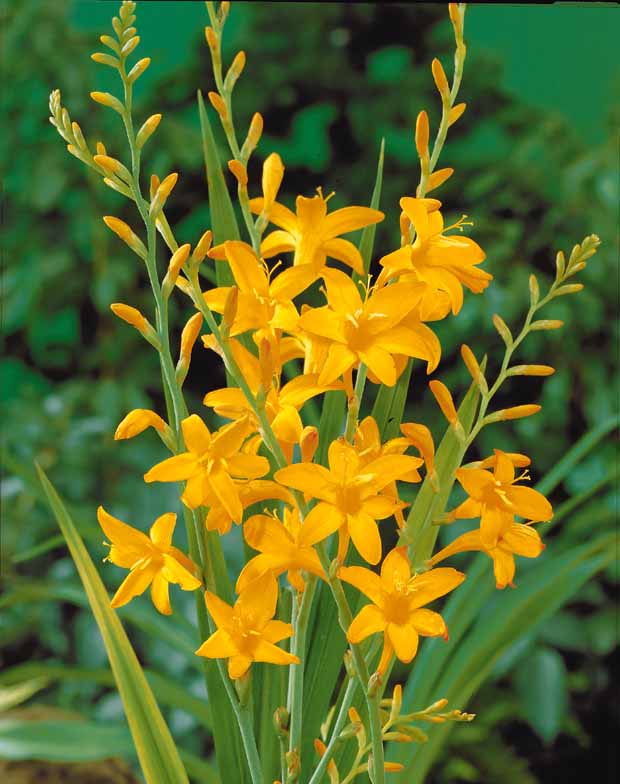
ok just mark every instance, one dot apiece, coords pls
pixel 529 503
pixel 339 360
pixel 174 469
pixel 257 602
pixel 247 466
pixel 404 639
pixel 175 572
pixel 123 536
pixel 220 645
pixel 196 435
pixel 219 610
pixel 322 521
pixel 162 530
pixel 522 540
pixel 431 585
pixel 369 620
pixel 268 652
pixel 365 581
pixel 462 544
pixel 135 584
pixel 365 536
pixel 160 594
pixel 395 569
pixel 380 362
pixel 315 480
pixel 238 665
pixel 503 567
pixel 264 533
pixel 247 269
pixel 275 631
pixel 275 243
pixel 350 219
pixel 227 493
pixel 345 251
pixel 428 623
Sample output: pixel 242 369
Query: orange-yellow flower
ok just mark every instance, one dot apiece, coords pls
pixel 265 304
pixel 493 496
pixel 313 234
pixel 250 492
pixel 368 331
pixel 510 539
pixel 246 632
pixel 397 599
pixel 209 465
pixel 349 494
pixel 285 546
pixel 152 560
pixel 445 262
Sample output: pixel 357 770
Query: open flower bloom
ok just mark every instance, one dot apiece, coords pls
pixel 445 262
pixel 313 234
pixel 250 492
pixel 367 331
pixel 492 496
pixel 397 599
pixel 349 494
pixel 264 303
pixel 285 546
pixel 510 539
pixel 152 560
pixel 367 444
pixel 282 403
pixel 246 632
pixel 209 465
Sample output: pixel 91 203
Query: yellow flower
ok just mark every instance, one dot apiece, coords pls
pixel 210 463
pixel 397 597
pixel 510 539
pixel 368 331
pixel 367 443
pixel 493 496
pixel 349 494
pixel 282 403
pixel 251 492
pixel 246 632
pixel 152 560
pixel 444 262
pixel 264 304
pixel 285 546
pixel 313 234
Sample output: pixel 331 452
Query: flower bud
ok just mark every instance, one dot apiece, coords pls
pixel 147 129
pixel 235 71
pixel 240 173
pixel 108 41
pixel 441 81
pixel 138 421
pixel 219 105
pixel 475 371
pixel 422 134
pixel 162 192
pixel 444 399
pixel 133 317
pixel 105 99
pixel 138 69
pixel 202 247
pixel 189 336
pixel 281 722
pixel 113 166
pixel 501 326
pixel 127 48
pixel 534 290
pixel 438 178
pixel 546 324
pixel 531 370
pixel 254 133
pixel 456 112
pixel 308 443
pixel 516 412
pixel 273 172
pixel 122 230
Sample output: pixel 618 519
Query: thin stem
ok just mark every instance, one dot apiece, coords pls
pixel 345 618
pixel 355 402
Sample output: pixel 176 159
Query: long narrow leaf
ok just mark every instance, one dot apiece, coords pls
pixel 158 755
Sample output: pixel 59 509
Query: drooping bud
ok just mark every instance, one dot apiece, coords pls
pixel 219 104
pixel 133 317
pixel 240 173
pixel 442 395
pixel 420 437
pixel 456 112
pixel 164 189
pixel 136 422
pixel 105 99
pixel 438 178
pixel 113 166
pixel 122 230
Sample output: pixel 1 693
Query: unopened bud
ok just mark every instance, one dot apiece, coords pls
pixel 393 767
pixel 113 166
pixel 138 69
pixel 471 363
pixel 243 687
pixel 122 230
pixel 266 363
pixel 105 99
pixel 177 260
pixel 189 336
pixel 100 147
pixel 212 39
pixel 531 370
pixel 570 288
pixel 79 136
pixel 127 48
pixel 147 129
pixel 281 722
pixel 273 172
pixel 133 317
pixel 456 19
pixel 534 290
pixel 240 173
pixel 546 324
pixel 422 133
pixel 164 189
pixel 374 682
pixel 502 328
pixel 308 443
pixel 202 247
pixel 438 178
pixel 397 701
pixel 136 422
pixel 441 81
pixel 254 133
pixel 516 412
pixel 108 41
pixel 293 763
pixel 235 71
pixel 218 103
pixel 456 112
pixel 444 399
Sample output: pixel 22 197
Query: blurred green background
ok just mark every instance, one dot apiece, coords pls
pixel 536 159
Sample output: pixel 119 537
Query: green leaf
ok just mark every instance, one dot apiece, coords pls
pixel 540 682
pixel 368 234
pixel 390 405
pixel 158 755
pixel 61 740
pixel 223 220
pixel 419 532
pixel 17 693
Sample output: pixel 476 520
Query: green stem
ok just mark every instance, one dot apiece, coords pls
pixel 355 402
pixel 345 618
